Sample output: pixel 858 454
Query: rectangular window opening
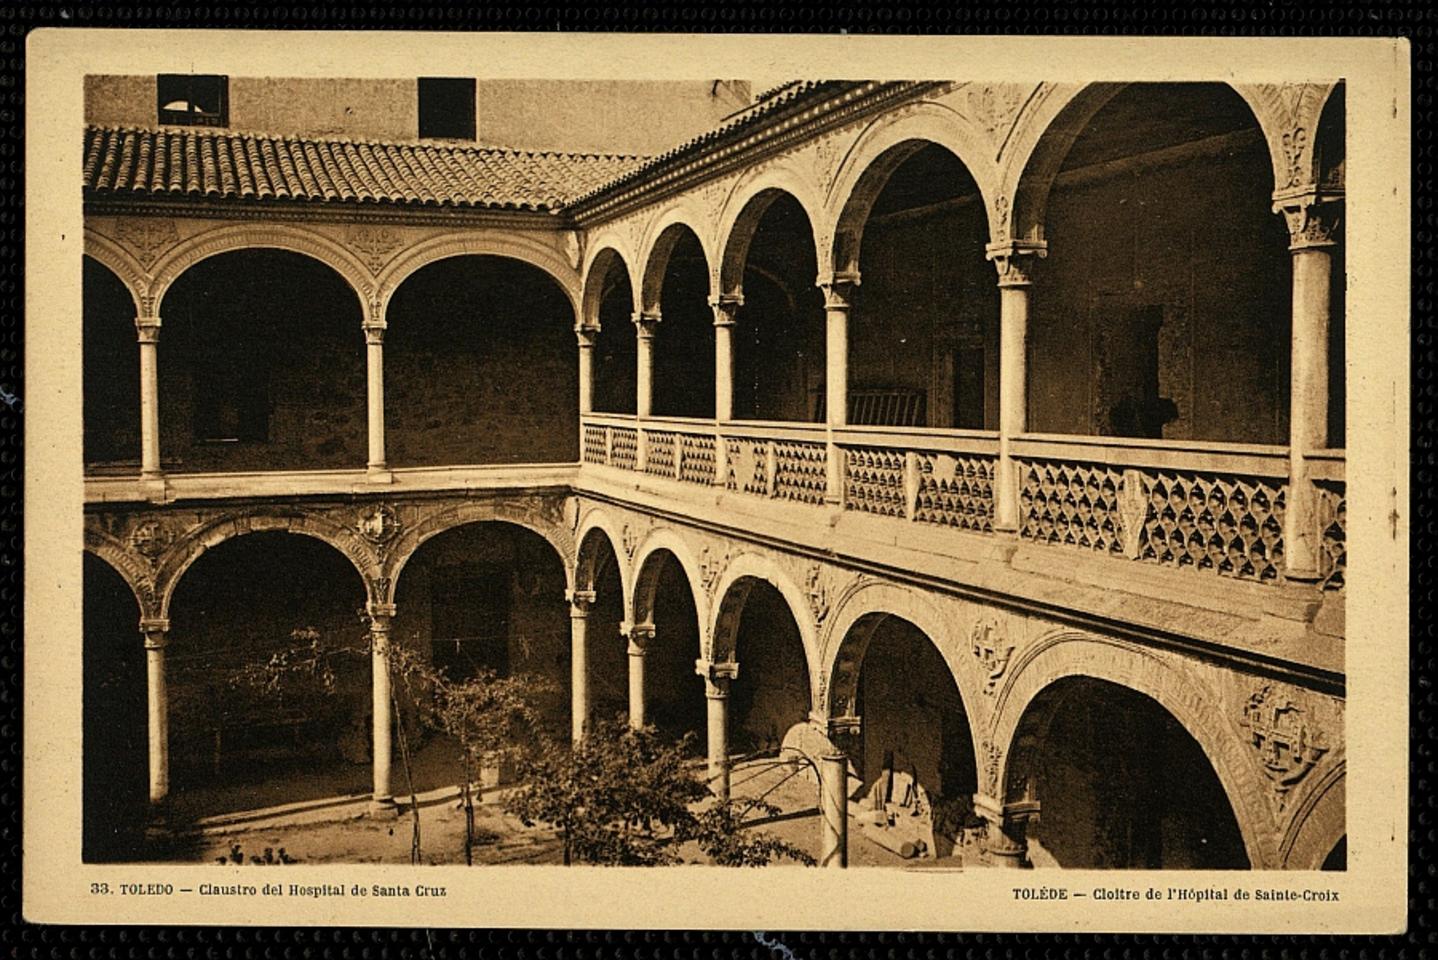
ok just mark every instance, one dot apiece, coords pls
pixel 447 108
pixel 193 100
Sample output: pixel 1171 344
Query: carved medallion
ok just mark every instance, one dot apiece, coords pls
pixel 147 238
pixel 630 538
pixel 378 523
pixel 992 653
pixel 1287 748
pixel 150 538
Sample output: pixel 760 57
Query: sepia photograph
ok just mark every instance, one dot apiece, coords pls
pixel 913 476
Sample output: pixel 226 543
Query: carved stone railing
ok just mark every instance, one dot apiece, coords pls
pixel 1208 507
pixel 624 447
pixel 594 444
pixel 777 460
pixel 943 479
pixel 696 458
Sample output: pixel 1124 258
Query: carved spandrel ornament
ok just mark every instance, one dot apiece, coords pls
pixel 376 244
pixel 630 540
pixel 1287 743
pixel 147 237
pixel 712 562
pixel 816 587
pixel 994 106
pixel 993 761
pixel 150 538
pixel 992 651
pixel 378 523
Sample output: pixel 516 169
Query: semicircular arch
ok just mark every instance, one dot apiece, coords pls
pixel 730 594
pixel 666 231
pixel 881 148
pixel 648 566
pixel 595 525
pixel 184 552
pixel 746 206
pixel 1184 696
pixel 119 262
pixel 595 273
pixel 1318 822
pixel 511 245
pixel 260 236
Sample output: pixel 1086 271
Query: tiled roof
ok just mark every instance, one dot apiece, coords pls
pixel 765 105
pixel 222 164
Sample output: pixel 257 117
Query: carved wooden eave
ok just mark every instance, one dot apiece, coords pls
pixel 746 147
pixel 285 211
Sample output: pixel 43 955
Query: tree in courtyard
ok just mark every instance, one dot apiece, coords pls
pixel 492 718
pixel 625 797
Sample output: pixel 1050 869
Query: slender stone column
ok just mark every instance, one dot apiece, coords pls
pixel 640 636
pixel 645 325
pixel 147 330
pixel 726 310
pixel 586 337
pixel 1015 263
pixel 716 692
pixel 840 291
pixel 380 617
pixel 1312 225
pixel 834 809
pixel 156 632
pixel 377 468
pixel 1003 844
pixel 581 602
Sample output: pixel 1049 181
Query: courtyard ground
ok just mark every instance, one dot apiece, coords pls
pixel 340 831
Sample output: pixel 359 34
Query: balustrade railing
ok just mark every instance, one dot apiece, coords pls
pixel 1216 508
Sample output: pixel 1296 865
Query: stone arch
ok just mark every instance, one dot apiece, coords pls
pixel 597 529
pixel 843 657
pixel 731 591
pixel 1184 696
pixel 118 261
pixel 883 146
pixel 597 269
pixel 182 555
pixel 1288 114
pixel 409 542
pixel 513 245
pixel 1318 823
pixel 647 570
pixel 1050 125
pixel 659 245
pixel 258 235
pixel 133 569
pixel 747 205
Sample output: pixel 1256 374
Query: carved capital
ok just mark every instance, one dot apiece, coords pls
pixel 840 290
pixel 156 631
pixel 726 308
pixel 587 336
pixel 580 603
pixel 640 635
pixel 1313 221
pixel 1015 260
pixel 646 324
pixel 379 615
pixel 147 329
pixel 716 677
pixel 374 332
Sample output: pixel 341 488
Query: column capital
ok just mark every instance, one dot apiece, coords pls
pixel 645 323
pixel 716 677
pixel 379 614
pixel 580 602
pixel 1313 218
pixel 1015 260
pixel 839 289
pixel 156 631
pixel 147 329
pixel 725 307
pixel 586 334
pixel 845 726
pixel 374 331
pixel 639 634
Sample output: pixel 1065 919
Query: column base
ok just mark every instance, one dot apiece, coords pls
pixel 383 808
pixel 153 486
pixel 381 474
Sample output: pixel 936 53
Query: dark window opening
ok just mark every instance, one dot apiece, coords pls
pixel 469 621
pixel 446 107
pixel 231 402
pixel 193 100
pixel 969 388
pixel 1127 374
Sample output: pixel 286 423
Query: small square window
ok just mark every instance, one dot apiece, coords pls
pixel 194 100
pixel 446 107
